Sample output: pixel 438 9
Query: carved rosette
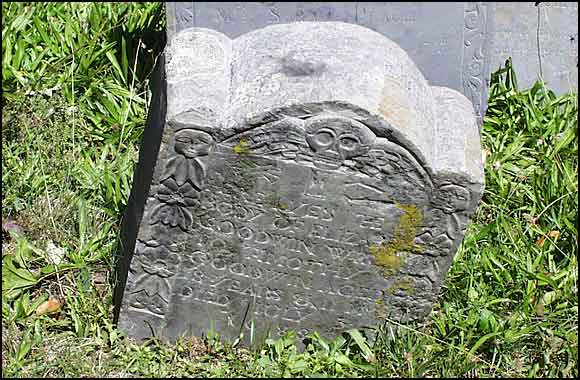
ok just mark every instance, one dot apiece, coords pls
pixel 156 265
pixel 175 205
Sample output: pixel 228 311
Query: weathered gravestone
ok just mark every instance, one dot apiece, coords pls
pixel 447 41
pixel 542 41
pixel 302 176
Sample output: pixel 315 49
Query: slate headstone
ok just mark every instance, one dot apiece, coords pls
pixel 302 176
pixel 542 41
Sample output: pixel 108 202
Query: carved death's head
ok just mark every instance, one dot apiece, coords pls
pixel 453 198
pixel 193 143
pixel 335 139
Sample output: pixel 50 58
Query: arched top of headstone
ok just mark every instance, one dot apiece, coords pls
pixel 316 67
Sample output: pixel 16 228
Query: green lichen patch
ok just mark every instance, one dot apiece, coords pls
pixel 390 255
pixel 242 147
pixel 387 258
pixel 406 285
pixel 273 200
pixel 380 309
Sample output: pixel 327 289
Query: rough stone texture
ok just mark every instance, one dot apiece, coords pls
pixel 445 40
pixel 540 39
pixel 308 177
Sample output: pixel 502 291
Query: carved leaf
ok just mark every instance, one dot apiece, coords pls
pixel 171 169
pixel 184 219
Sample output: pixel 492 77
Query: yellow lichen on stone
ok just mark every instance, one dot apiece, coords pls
pixel 391 255
pixel 242 147
pixel 380 309
pixel 406 285
pixel 407 229
pixel 386 257
pixel 273 200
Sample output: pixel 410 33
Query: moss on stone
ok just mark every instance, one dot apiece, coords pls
pixel 380 309
pixel 406 285
pixel 273 200
pixel 390 255
pixel 242 147
pixel 387 258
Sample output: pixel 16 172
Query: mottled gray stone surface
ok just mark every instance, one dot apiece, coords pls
pixel 305 176
pixel 540 39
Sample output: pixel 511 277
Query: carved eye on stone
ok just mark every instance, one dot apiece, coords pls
pixel 349 143
pixel 324 138
pixel 335 138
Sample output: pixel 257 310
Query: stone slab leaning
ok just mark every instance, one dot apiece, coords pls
pixel 302 176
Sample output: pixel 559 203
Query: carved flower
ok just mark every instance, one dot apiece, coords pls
pixel 157 259
pixel 175 201
pixel 152 289
pixel 186 166
pixel 184 170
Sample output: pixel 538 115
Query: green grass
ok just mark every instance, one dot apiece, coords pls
pixel 74 102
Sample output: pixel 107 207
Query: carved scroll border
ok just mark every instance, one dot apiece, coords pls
pixel 475 63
